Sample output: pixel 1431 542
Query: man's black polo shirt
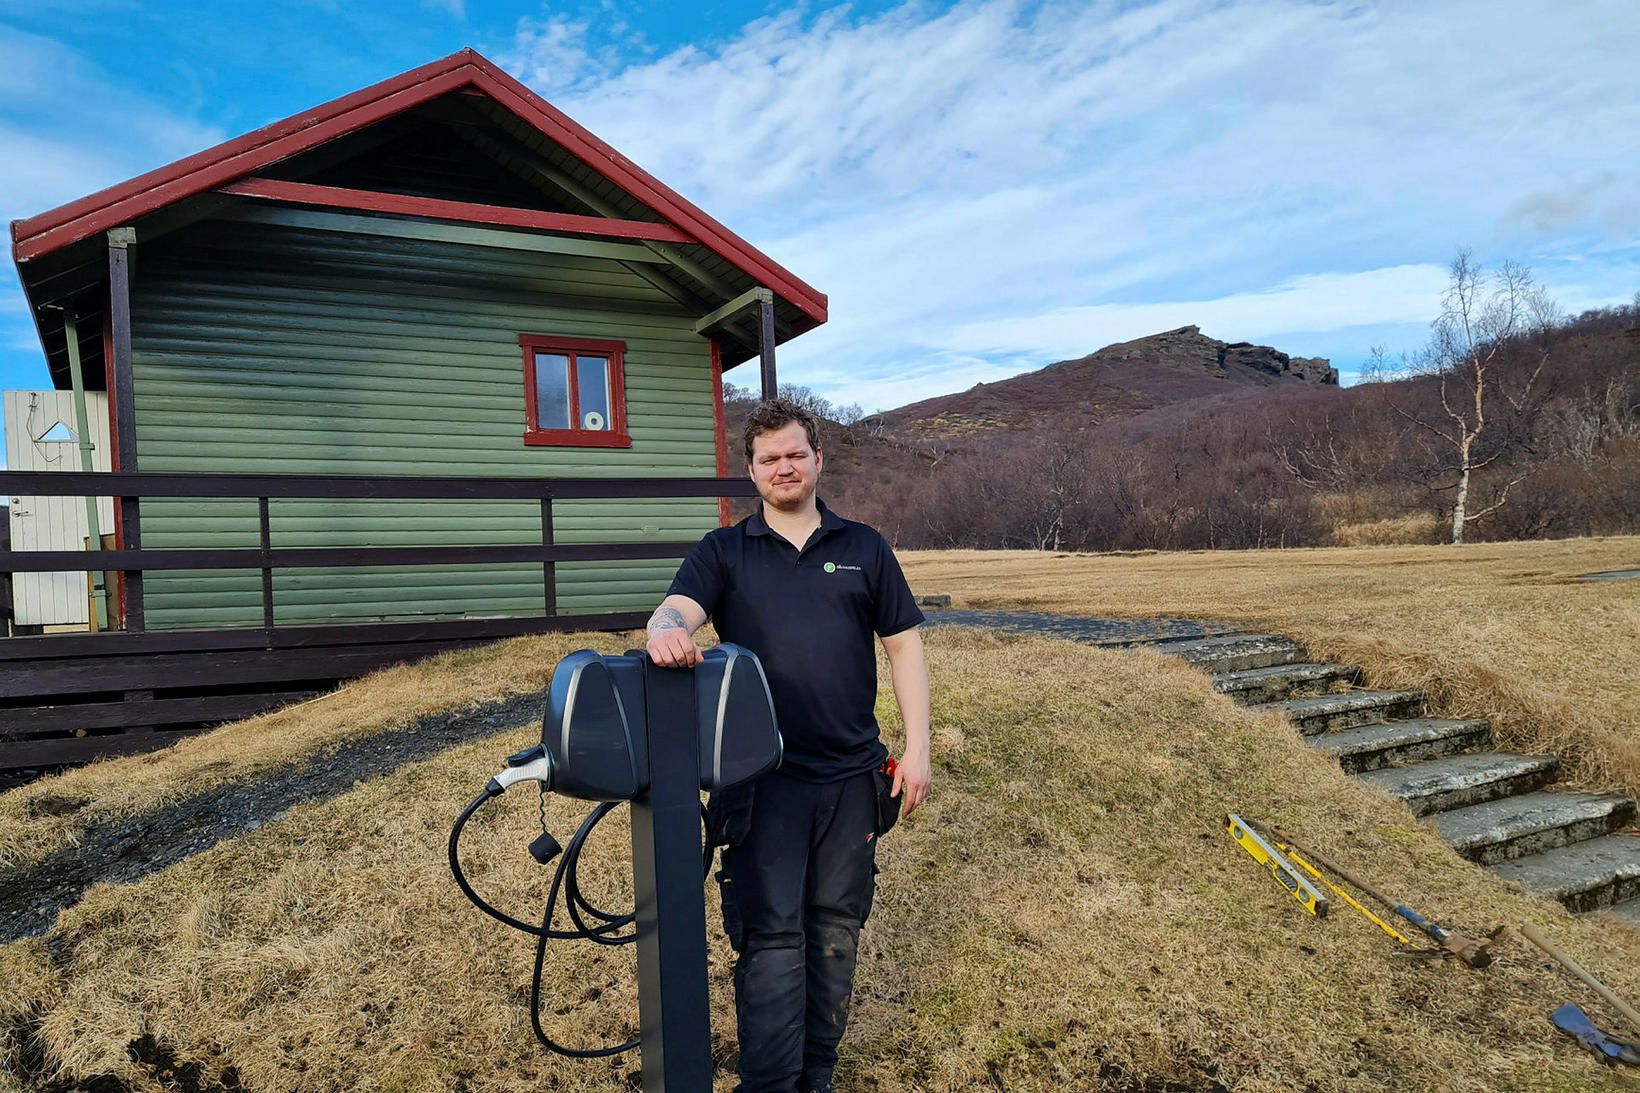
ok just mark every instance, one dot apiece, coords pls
pixel 809 616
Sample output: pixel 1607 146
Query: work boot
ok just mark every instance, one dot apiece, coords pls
pixel 815 1084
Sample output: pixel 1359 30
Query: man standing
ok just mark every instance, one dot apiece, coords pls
pixel 805 590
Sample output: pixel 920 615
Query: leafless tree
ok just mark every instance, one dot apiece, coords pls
pixel 1483 318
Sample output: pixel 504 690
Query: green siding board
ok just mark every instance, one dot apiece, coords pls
pixel 263 351
pixel 360 405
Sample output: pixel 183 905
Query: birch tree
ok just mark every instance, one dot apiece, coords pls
pixel 1484 318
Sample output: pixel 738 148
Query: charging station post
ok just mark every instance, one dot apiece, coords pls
pixel 673 1020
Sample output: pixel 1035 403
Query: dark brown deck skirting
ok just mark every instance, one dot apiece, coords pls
pixel 83 749
pixel 50 680
pixel 41 720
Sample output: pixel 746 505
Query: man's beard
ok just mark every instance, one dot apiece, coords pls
pixel 792 504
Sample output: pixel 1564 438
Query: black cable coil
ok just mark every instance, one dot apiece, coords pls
pixel 606 930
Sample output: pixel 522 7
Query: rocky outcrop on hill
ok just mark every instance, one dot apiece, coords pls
pixel 1226 359
pixel 1276 363
pixel 1119 381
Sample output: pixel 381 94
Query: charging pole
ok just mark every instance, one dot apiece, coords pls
pixel 673 1019
pixel 623 729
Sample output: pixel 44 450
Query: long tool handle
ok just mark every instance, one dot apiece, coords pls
pixel 1531 934
pixel 1298 860
pixel 1330 866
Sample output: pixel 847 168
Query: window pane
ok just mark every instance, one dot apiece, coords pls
pixel 551 391
pixel 592 386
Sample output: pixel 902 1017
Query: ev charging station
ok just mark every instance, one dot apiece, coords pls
pixel 620 728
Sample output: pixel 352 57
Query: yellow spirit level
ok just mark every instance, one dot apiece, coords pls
pixel 1308 896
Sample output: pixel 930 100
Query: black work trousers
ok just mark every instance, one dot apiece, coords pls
pixel 796 891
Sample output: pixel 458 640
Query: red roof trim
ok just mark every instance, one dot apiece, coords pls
pixel 234 159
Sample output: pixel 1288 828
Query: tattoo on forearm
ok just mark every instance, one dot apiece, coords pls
pixel 667 618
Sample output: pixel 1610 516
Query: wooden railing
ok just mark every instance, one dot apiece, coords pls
pixel 133 561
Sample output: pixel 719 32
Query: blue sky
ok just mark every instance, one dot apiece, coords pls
pixel 982 188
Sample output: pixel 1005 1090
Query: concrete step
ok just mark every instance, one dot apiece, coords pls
pixel 1283 681
pixel 1585 876
pixel 1373 747
pixel 1235 652
pixel 1436 785
pixel 1325 713
pixel 1531 823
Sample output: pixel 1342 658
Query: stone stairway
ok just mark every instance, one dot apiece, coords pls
pixel 1497 808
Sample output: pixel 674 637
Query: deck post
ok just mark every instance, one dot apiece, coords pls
pixel 765 338
pixel 267 565
pixel 82 426
pixel 125 410
pixel 549 570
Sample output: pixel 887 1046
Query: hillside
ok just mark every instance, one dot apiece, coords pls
pixel 1182 442
pixel 882 468
pixel 1064 914
pixel 1118 381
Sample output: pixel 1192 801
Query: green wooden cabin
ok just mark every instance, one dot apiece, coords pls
pixel 437 275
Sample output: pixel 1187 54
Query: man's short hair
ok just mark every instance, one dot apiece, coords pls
pixel 772 415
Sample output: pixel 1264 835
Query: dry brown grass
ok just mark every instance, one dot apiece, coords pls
pixel 1064 914
pixel 1500 630
pixel 31 827
pixel 1414 530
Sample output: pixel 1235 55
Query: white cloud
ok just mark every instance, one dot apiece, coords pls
pixel 68 131
pixel 1314 303
pixel 1026 175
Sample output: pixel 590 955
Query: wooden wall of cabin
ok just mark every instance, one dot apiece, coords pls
pixel 267 349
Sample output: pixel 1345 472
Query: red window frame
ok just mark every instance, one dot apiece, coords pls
pixel 615 351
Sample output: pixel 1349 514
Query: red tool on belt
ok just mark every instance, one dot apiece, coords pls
pixel 889 766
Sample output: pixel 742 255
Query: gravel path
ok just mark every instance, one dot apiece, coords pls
pixel 128 850
pixel 1089 631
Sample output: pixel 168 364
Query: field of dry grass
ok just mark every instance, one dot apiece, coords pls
pixel 1064 914
pixel 1488 629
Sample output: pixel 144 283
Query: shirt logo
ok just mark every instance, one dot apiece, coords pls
pixel 833 567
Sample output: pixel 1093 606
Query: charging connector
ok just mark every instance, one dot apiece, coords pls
pixel 529 765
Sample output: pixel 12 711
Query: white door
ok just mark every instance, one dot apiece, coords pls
pixel 41 436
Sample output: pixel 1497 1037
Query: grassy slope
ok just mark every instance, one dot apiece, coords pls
pixel 1490 629
pixel 1064 914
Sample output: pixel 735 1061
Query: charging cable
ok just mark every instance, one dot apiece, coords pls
pixel 589 922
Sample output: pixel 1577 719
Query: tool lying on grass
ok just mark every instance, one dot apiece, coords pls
pixel 1298 859
pixel 1308 896
pixel 1633 1018
pixel 1571 1019
pixel 1474 952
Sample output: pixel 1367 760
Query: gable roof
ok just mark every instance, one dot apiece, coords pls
pixel 233 160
